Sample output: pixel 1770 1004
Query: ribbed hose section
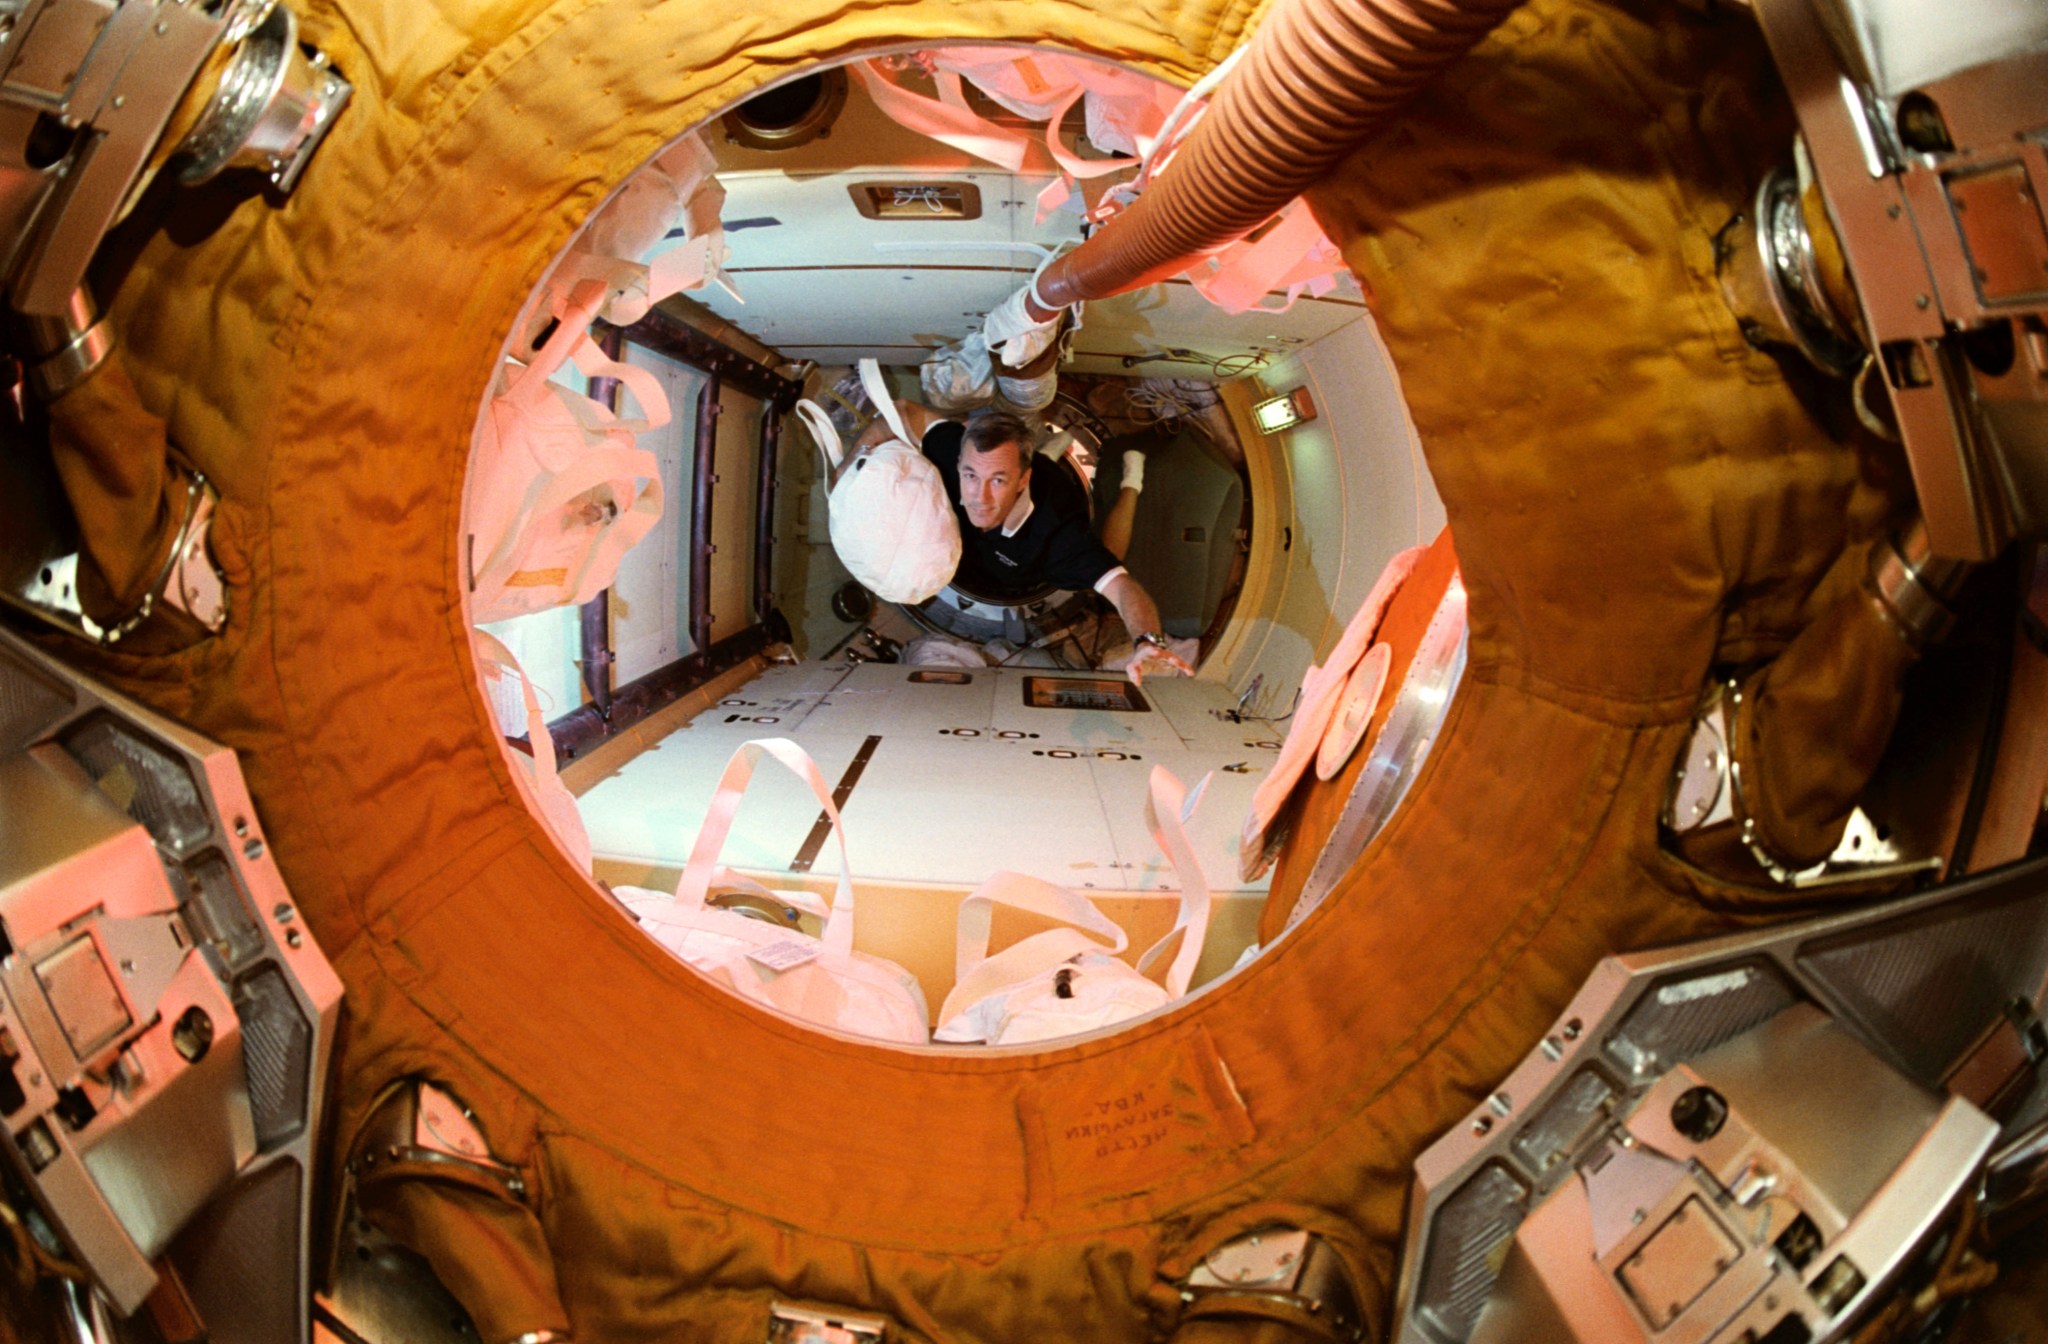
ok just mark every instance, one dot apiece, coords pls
pixel 1318 76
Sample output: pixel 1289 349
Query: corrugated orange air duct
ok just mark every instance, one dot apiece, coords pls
pixel 1317 77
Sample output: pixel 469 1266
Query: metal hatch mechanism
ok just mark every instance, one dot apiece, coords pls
pixel 165 1019
pixel 1764 1137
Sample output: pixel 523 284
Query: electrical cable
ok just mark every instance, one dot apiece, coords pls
pixel 1220 366
pixel 33 1261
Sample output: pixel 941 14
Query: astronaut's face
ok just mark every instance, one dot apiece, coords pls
pixel 990 483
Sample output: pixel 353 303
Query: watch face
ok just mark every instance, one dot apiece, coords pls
pixel 1354 711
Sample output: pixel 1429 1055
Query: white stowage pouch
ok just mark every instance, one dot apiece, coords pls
pixel 891 521
pixel 559 490
pixel 821 980
pixel 1068 980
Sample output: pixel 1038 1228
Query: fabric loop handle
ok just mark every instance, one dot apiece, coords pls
pixel 695 884
pixel 978 975
pixel 885 404
pixel 823 431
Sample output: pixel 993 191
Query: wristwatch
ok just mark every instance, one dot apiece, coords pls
pixel 1152 637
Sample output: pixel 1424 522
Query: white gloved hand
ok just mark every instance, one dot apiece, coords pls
pixel 1013 337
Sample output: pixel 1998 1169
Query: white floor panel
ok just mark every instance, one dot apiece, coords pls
pixel 1078 729
pixel 883 698
pixel 957 810
pixel 1192 708
pixel 946 797
pixel 779 699
pixel 652 809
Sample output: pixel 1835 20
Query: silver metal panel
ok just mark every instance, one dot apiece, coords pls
pixel 83 997
pixel 1579 1305
pixel 95 1231
pixel 48 816
pixel 1771 1076
pixel 161 58
pixel 1678 1263
pixel 1919 940
pixel 48 57
pixel 172 1126
pixel 1917 1198
pixel 180 1136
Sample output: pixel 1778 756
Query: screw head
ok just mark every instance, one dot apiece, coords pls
pixel 193 1034
pixel 1699 1113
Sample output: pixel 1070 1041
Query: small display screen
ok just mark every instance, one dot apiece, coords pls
pixel 1083 693
pixel 931 676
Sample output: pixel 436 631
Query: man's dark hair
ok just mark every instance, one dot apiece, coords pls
pixel 989 430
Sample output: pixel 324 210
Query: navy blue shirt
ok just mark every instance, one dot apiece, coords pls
pixel 1054 545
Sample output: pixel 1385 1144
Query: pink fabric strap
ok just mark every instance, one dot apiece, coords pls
pixel 1292 256
pixel 947 118
pixel 1168 805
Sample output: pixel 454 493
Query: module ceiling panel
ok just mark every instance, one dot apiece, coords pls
pixel 822 281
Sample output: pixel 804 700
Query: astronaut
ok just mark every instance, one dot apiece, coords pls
pixel 1020 528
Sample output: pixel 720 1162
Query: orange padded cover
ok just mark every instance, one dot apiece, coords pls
pixel 1633 494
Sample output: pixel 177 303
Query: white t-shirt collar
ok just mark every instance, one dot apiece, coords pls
pixel 1020 513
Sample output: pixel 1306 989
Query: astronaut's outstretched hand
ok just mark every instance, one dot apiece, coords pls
pixel 1156 659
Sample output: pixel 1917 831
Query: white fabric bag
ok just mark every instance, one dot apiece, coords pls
pixel 560 491
pixel 892 523
pixel 820 980
pixel 557 805
pixel 678 193
pixel 1068 980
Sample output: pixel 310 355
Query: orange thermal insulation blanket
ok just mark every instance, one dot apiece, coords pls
pixel 111 456
pixel 1633 493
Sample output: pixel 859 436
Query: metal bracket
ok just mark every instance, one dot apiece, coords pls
pixel 195 586
pixel 1282 1273
pixel 1706 793
pixel 789 1324
pixel 1997 1071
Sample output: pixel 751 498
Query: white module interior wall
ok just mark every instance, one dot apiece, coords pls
pixel 1355 491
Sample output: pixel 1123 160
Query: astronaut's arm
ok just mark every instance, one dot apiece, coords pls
pixel 1141 618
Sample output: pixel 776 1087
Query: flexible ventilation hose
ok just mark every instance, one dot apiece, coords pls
pixel 1317 77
